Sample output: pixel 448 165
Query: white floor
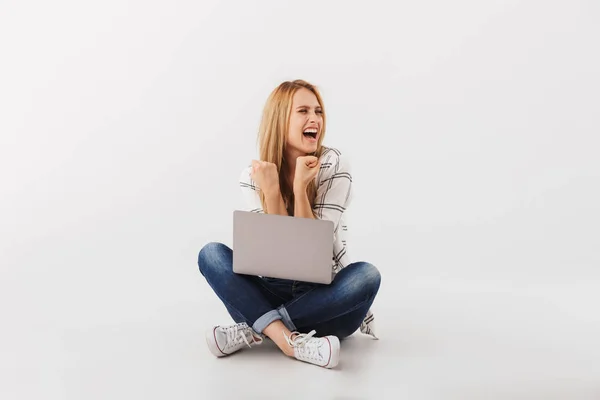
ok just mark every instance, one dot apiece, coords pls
pixel 438 340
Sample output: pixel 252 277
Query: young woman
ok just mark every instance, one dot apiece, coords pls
pixel 296 176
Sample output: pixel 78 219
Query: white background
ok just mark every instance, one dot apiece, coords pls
pixel 472 128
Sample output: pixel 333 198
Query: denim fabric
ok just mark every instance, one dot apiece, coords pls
pixel 336 309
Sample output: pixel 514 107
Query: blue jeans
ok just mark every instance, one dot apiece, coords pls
pixel 336 309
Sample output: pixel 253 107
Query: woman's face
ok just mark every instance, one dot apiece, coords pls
pixel 306 121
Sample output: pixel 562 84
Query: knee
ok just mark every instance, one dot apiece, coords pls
pixel 371 276
pixel 211 257
pixel 362 278
pixel 367 277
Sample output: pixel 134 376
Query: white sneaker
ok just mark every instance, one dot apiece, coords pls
pixel 225 340
pixel 324 351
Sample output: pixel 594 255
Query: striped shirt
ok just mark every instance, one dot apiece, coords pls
pixel 334 195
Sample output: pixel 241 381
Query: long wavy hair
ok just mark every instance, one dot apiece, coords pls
pixel 273 133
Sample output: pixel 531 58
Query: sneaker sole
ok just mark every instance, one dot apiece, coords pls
pixel 334 354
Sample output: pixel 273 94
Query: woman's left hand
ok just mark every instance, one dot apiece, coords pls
pixel 307 168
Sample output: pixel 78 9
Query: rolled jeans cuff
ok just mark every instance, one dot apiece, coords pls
pixel 265 320
pixel 287 321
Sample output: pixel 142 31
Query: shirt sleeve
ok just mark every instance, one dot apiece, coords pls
pixel 250 192
pixel 334 190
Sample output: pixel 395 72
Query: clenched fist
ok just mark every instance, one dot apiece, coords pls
pixel 266 176
pixel 307 168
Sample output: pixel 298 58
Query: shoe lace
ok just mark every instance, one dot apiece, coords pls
pixel 238 333
pixel 305 342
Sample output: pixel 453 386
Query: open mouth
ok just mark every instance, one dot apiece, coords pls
pixel 311 134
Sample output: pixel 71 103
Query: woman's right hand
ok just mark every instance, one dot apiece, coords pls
pixel 266 176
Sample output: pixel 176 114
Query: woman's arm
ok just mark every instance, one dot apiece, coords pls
pixel 251 192
pixel 334 189
pixel 274 200
pixel 302 207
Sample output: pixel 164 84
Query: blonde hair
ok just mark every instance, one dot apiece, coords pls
pixel 273 133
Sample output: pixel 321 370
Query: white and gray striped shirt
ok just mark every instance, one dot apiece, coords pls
pixel 334 195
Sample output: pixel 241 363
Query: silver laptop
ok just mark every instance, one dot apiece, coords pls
pixel 278 246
